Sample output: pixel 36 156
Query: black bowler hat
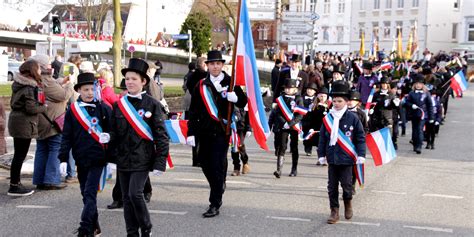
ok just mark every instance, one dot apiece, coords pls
pixel 213 56
pixel 340 89
pixel 295 58
pixel 290 83
pixel 339 69
pixel 86 78
pixel 323 90
pixel 384 80
pixel 122 84
pixel 139 66
pixel 367 65
pixel 313 86
pixel 418 78
pixel 426 70
pixel 354 95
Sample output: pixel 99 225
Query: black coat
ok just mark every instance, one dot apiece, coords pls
pixel 285 74
pixel 423 101
pixel 56 65
pixel 308 104
pixel 277 120
pixel 382 116
pixel 275 76
pixel 86 151
pixel 362 118
pixel 242 120
pixel 200 122
pixel 132 152
pixel 194 78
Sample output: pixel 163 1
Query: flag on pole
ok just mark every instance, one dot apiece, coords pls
pixel 374 47
pixel 381 146
pixel 177 130
pixel 410 42
pixel 459 83
pixel 385 66
pixel 414 46
pixel 362 45
pixel 399 42
pixel 246 73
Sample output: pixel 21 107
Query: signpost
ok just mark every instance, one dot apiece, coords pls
pixel 300 16
pixel 296 38
pixel 180 37
pixel 297 27
pixel 131 49
pixel 261 9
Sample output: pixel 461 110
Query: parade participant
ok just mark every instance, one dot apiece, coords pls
pixel 207 122
pixel 141 145
pixel 292 73
pixel 306 122
pixel 341 124
pixel 396 111
pixel 381 114
pixel 338 73
pixel 284 121
pixel 433 126
pixel 27 102
pixel 243 131
pixel 316 115
pixel 365 83
pixel 275 74
pixel 86 127
pixel 419 107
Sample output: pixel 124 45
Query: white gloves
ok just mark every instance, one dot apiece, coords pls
pixel 274 105
pixel 286 126
pixel 63 169
pixel 414 106
pixel 112 166
pixel 190 141
pixel 232 97
pixel 360 160
pixel 431 121
pixel 248 134
pixel 157 172
pixel 371 111
pixel 396 101
pixel 104 138
pixel 323 160
pixel 219 88
pixel 436 123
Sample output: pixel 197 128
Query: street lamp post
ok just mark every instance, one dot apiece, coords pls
pixel 146 30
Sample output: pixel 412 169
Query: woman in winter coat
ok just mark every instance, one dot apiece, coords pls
pixel 27 103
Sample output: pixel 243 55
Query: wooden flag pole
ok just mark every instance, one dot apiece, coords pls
pixel 232 78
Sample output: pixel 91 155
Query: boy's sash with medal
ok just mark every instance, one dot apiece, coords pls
pixel 90 124
pixel 287 113
pixel 346 144
pixel 135 119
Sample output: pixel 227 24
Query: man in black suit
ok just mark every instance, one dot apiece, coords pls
pixel 292 73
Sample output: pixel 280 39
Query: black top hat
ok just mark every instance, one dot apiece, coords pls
pixel 86 78
pixel 354 95
pixel 383 80
pixel 324 90
pixel 295 58
pixel 418 78
pixel 426 70
pixel 122 84
pixel 214 55
pixel 339 69
pixel 367 65
pixel 340 89
pixel 313 86
pixel 394 83
pixel 290 83
pixel 139 66
pixel 277 61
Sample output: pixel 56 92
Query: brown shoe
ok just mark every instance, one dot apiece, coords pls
pixel 235 173
pixel 347 209
pixel 71 180
pixel 334 217
pixel 245 169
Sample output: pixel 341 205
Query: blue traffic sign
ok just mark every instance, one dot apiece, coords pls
pixel 180 36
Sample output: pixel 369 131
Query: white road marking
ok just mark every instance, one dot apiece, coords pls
pixel 192 180
pixel 389 192
pixel 437 229
pixel 33 206
pixel 283 218
pixel 359 223
pixel 441 196
pixel 178 213
pixel 237 182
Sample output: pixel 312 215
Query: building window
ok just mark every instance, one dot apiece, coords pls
pixel 454 33
pixel 325 34
pixel 262 32
pixel 376 4
pixel 388 4
pixel 399 25
pixel 340 34
pixel 456 4
pixel 375 30
pixel 470 32
pixel 361 29
pixel 400 3
pixel 362 5
pixel 327 6
pixel 416 3
pixel 386 29
pixel 299 5
pixel 341 6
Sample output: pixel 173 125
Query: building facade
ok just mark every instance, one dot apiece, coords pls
pixel 466 31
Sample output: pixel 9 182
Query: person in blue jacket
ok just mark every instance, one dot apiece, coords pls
pixel 419 107
pixel 431 128
pixel 330 150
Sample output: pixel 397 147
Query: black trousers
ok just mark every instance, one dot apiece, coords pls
pixel 339 174
pixel 135 210
pixel 241 154
pixel 308 144
pixel 89 178
pixel 20 146
pixel 417 132
pixel 117 191
pixel 196 161
pixel 431 133
pixel 213 155
pixel 281 142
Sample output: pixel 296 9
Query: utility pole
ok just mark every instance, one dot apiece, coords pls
pixel 146 30
pixel 50 37
pixel 190 42
pixel 279 11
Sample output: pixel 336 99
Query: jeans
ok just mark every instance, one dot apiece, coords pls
pixel 89 179
pixel 20 146
pixel 46 170
pixel 339 174
pixel 71 166
pixel 135 210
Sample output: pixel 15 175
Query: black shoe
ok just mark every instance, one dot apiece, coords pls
pixel 403 133
pixel 147 197
pixel 211 212
pixel 146 233
pixel 418 151
pixel 428 146
pixel 277 174
pixel 411 141
pixel 18 190
pixel 432 147
pixel 97 231
pixel 196 164
pixel 115 205
pixel 395 145
pixel 82 233
pixel 353 189
pixel 293 173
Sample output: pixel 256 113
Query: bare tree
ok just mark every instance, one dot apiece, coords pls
pixel 94 12
pixel 226 9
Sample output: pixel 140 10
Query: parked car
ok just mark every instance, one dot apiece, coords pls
pixel 13 67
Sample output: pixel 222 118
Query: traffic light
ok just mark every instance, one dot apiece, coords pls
pixel 315 36
pixel 56 25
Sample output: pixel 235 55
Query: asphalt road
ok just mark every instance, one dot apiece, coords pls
pixel 416 195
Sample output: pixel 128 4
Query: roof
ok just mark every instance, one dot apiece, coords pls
pixel 64 11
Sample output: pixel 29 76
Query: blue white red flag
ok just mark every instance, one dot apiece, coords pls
pixel 381 146
pixel 103 179
pixel 246 73
pixel 300 110
pixel 459 83
pixel 177 130
pixel 385 66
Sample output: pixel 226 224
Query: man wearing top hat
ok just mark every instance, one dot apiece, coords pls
pixel 366 82
pixel 208 121
pixel 292 73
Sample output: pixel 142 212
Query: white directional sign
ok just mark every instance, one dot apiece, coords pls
pixel 296 38
pixel 261 9
pixel 297 27
pixel 261 4
pixel 300 16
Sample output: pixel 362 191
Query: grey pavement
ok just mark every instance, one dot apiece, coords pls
pixel 415 195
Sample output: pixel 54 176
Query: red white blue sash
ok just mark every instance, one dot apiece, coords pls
pixel 300 110
pixel 91 125
pixel 208 100
pixel 346 144
pixel 134 119
pixel 234 138
pixel 287 113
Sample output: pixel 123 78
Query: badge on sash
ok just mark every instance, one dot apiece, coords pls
pixel 141 112
pixel 147 114
pixel 348 133
pixel 292 104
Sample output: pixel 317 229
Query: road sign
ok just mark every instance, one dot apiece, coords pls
pixel 262 15
pixel 300 16
pixel 180 36
pixel 297 27
pixel 296 38
pixel 131 49
pixel 261 4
